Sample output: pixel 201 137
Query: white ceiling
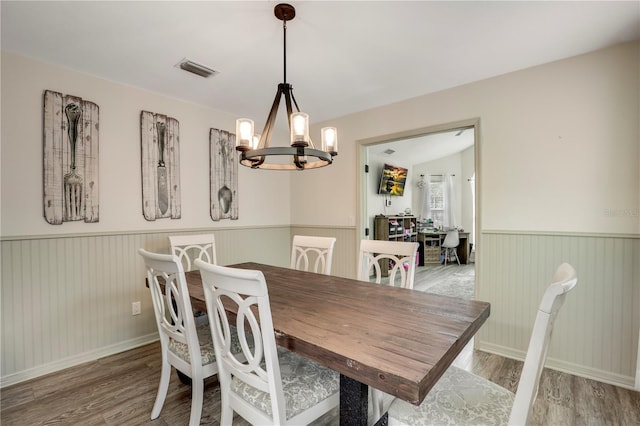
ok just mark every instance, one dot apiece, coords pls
pixel 421 149
pixel 343 56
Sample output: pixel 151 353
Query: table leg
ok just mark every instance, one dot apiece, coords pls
pixel 353 402
pixel 184 378
pixel 383 421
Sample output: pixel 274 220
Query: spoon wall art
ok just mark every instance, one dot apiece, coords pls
pixel 223 175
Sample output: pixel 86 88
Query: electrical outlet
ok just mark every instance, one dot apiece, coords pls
pixel 136 308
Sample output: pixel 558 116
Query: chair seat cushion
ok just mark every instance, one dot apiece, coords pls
pixel 459 398
pixel 207 352
pixel 304 382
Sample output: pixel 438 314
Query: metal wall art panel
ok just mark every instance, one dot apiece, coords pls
pixel 223 175
pixel 160 144
pixel 70 145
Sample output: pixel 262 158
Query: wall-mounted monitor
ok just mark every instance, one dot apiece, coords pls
pixel 392 180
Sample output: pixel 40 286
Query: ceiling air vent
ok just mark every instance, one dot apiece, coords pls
pixel 196 68
pixel 388 151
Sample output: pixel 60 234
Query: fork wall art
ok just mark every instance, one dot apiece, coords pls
pixel 223 175
pixel 70 142
pixel 160 140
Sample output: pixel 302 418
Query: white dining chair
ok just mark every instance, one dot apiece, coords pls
pixel 310 253
pixel 399 256
pixel 185 347
pixel 188 248
pixel 450 245
pixel 462 398
pixel 274 386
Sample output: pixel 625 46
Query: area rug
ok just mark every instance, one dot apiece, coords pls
pixel 454 284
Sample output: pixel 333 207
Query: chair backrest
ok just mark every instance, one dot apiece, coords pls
pixel 564 279
pixel 191 247
pixel 452 239
pixel 172 309
pixel 316 251
pixel 400 257
pixel 246 290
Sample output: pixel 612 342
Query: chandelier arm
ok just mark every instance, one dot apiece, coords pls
pixel 265 137
pixel 294 100
pixel 287 100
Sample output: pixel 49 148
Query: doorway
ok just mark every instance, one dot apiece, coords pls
pixel 448 149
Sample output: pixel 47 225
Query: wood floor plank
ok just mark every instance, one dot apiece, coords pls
pixel 21 394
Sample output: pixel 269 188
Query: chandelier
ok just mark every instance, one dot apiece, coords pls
pixel 256 152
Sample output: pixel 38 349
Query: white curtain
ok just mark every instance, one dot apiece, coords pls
pixel 449 202
pixel 425 208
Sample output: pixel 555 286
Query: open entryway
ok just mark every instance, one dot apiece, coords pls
pixel 437 188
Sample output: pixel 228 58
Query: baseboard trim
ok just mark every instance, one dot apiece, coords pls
pixel 626 382
pixel 75 360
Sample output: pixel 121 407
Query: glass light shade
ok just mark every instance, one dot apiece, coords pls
pixel 299 129
pixel 256 141
pixel 244 134
pixel 329 140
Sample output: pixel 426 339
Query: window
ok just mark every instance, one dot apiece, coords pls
pixel 436 189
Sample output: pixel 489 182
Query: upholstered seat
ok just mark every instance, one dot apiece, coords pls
pixel 461 398
pixel 304 384
pixel 207 354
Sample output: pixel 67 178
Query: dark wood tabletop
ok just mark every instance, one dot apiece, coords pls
pixel 396 340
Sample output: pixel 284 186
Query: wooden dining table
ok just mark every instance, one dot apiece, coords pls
pixel 397 340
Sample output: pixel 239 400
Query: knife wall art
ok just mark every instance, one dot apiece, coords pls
pixel 223 175
pixel 70 158
pixel 160 143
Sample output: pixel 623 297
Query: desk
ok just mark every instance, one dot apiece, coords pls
pixel 399 341
pixel 462 250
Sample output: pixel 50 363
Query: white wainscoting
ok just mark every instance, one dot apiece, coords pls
pixel 596 334
pixel 67 300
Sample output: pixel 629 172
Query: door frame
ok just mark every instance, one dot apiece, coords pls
pixel 362 159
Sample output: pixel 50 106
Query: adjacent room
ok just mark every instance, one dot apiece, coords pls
pixel 437 195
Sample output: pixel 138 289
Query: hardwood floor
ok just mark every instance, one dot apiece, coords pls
pixel 120 390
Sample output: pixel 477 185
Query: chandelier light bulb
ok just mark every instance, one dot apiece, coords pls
pixel 299 129
pixel 244 134
pixel 330 140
